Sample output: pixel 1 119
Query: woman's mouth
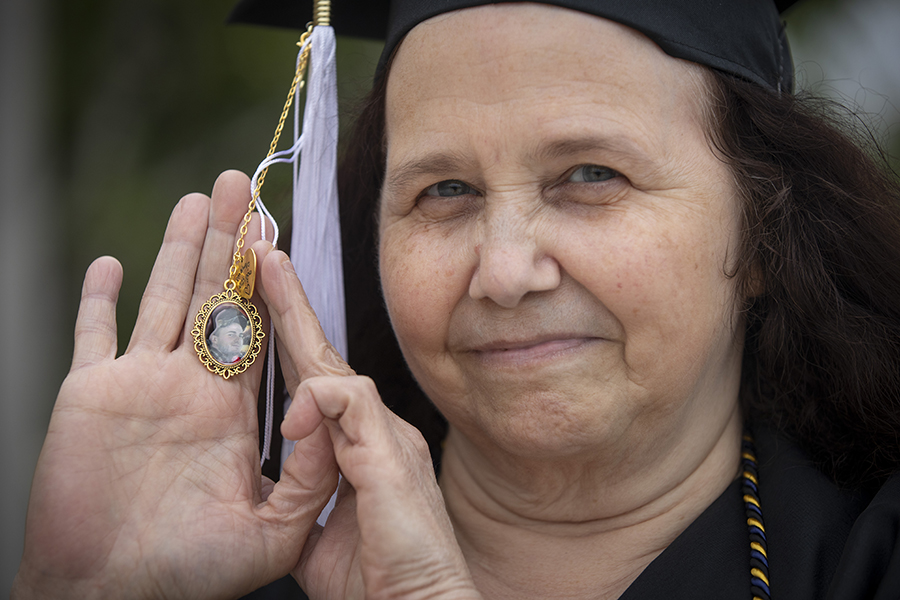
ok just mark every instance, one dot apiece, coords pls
pixel 525 352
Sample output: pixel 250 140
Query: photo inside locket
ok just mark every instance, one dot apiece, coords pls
pixel 227 334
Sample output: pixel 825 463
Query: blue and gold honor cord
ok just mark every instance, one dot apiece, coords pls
pixel 759 560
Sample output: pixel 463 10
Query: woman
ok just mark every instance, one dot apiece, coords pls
pixel 585 275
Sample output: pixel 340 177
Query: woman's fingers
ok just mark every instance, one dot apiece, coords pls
pixel 369 440
pixel 299 332
pixel 95 327
pixel 335 552
pixel 406 540
pixel 307 481
pixel 193 261
pixel 353 402
pixel 230 198
pixel 309 470
pixel 169 291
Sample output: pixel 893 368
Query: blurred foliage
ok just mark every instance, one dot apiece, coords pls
pixel 154 99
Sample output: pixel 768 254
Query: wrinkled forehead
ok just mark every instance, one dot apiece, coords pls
pixel 516 53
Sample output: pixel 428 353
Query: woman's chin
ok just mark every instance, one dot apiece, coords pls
pixel 544 427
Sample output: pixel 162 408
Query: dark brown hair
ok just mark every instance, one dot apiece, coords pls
pixel 821 239
pixel 821 212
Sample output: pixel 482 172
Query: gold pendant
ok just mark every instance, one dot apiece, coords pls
pixel 228 329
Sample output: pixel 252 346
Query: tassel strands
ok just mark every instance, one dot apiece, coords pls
pixel 316 235
pixel 256 183
pixel 316 240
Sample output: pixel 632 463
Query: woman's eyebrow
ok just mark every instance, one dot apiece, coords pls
pixel 436 164
pixel 619 146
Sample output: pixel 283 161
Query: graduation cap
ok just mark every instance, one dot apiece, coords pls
pixel 741 37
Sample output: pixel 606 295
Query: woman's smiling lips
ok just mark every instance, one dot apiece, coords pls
pixel 529 352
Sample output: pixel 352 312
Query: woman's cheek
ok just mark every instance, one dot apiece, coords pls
pixel 422 282
pixel 650 276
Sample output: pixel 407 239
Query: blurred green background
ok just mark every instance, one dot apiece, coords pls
pixel 110 111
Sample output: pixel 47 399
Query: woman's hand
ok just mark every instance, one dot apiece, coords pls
pixel 389 535
pixel 149 484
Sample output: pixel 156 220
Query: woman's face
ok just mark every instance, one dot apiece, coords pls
pixel 556 232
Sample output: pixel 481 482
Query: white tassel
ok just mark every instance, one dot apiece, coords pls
pixel 316 235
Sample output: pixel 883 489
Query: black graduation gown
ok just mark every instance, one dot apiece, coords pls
pixel 823 542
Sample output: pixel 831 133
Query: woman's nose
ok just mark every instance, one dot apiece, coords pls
pixel 512 263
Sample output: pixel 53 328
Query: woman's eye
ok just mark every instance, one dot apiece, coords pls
pixel 450 188
pixel 591 174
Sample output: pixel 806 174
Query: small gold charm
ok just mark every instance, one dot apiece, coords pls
pixel 244 277
pixel 228 329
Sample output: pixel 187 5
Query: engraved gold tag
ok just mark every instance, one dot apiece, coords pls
pixel 245 274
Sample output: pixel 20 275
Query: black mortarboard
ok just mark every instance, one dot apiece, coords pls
pixel 741 37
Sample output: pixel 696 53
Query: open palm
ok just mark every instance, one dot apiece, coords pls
pixel 149 483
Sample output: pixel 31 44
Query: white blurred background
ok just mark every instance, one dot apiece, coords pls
pixel 110 111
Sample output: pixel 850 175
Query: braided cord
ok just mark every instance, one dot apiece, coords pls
pixel 759 560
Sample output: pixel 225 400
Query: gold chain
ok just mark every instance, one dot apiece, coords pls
pixel 241 280
pixel 298 81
